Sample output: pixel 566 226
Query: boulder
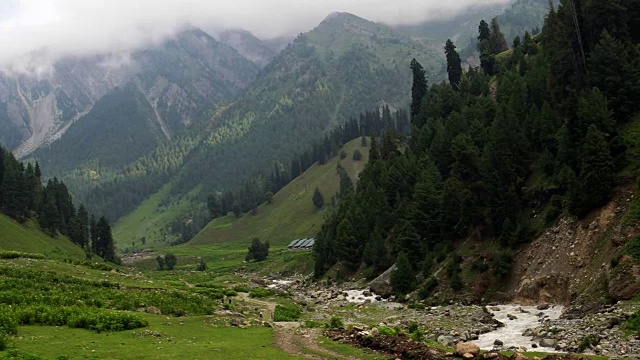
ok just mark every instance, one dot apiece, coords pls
pixel 153 310
pixel 446 340
pixel 519 356
pixel 467 348
pixel 468 356
pixel 498 342
pixel 542 307
pixel 382 284
pixel 549 343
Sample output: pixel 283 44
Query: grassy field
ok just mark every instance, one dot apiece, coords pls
pixel 292 214
pixel 30 239
pixel 165 338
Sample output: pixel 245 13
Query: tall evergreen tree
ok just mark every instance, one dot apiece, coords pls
pixel 418 90
pixel 402 279
pixel 454 65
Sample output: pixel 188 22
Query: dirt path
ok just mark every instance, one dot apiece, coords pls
pixel 293 339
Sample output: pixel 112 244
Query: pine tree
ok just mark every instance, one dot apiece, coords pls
pixel 375 251
pixel 418 90
pixel 596 169
pixel 454 65
pixel 497 42
pixel 214 205
pixel 483 35
pixel 318 199
pixel 105 248
pixel 402 279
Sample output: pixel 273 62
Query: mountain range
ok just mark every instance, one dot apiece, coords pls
pixel 200 114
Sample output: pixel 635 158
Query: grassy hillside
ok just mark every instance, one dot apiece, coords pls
pixel 292 214
pixel 30 239
pixel 149 221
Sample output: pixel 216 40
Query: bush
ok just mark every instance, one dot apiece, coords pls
pixel 586 342
pixel 286 313
pixel 201 266
pixel 501 264
pixel 357 155
pixel 170 261
pixel 427 288
pixel 632 248
pixel 456 282
pixel 260 292
pixel 633 324
pixel 258 251
pixel 4 341
pixel 18 255
pixel 241 288
pixel 335 323
pixel 311 324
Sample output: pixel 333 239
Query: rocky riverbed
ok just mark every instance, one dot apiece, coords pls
pixel 544 328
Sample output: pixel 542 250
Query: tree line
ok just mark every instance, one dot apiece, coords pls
pixel 532 131
pixel 23 196
pixel 261 189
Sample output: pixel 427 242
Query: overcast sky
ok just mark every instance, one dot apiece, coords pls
pixel 35 33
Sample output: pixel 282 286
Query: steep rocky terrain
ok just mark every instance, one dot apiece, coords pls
pixel 571 261
pixel 182 79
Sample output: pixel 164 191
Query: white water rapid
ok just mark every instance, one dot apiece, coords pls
pixel 522 318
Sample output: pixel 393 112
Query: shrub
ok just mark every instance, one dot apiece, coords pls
pixel 456 282
pixel 201 265
pixel 388 331
pixel 230 292
pixel 357 155
pixel 632 248
pixel 258 251
pixel 586 342
pixel 286 313
pixel 335 323
pixel 4 341
pixel 170 261
pixel 241 288
pixel 260 292
pixel 18 255
pixel 312 324
pixel 633 324
pixel 427 288
pixel 501 264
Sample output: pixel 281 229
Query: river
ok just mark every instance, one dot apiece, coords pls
pixel 526 317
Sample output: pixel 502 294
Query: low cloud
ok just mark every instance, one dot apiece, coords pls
pixel 36 33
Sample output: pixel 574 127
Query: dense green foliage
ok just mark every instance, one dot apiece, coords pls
pixel 315 85
pixel 258 250
pixel 479 161
pixel 23 196
pixel 286 313
pixel 22 288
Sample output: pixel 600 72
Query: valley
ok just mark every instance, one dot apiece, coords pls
pixel 466 179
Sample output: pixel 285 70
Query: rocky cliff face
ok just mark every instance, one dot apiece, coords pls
pixel 182 79
pixel 571 261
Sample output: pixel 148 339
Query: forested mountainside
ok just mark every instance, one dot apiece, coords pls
pixel 182 79
pixel 23 197
pixel 496 155
pixel 343 66
pixel 515 18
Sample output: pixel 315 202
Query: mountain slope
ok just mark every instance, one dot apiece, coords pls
pixel 121 127
pixel 249 46
pixel 30 239
pixel 314 85
pixel 292 214
pixel 182 78
pixel 344 66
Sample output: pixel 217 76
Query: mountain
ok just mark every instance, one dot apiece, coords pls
pixel 325 76
pixel 179 83
pixel 514 18
pixel 182 79
pixel 248 45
